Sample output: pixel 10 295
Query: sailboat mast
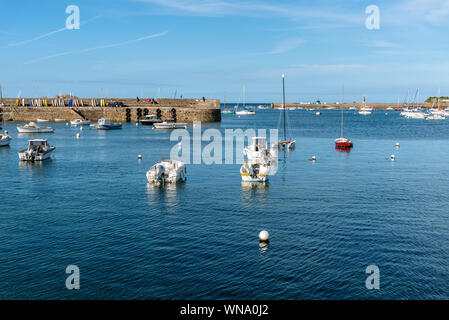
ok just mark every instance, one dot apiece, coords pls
pixel 283 103
pixel 342 102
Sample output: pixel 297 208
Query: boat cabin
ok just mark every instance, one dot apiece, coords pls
pixel 38 145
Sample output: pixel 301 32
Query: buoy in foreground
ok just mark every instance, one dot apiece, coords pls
pixel 392 157
pixel 139 157
pixel 313 159
pixel 264 236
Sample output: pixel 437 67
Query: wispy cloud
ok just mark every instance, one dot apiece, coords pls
pixel 383 44
pixel 98 47
pixel 241 8
pixel 45 35
pixel 287 45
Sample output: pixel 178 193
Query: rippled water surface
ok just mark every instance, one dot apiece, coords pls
pixel 91 206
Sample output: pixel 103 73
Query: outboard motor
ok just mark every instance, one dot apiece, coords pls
pixel 160 170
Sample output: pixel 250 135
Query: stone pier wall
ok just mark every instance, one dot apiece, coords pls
pixel 187 110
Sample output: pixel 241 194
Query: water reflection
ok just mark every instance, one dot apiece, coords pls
pixel 255 190
pixel 169 195
pixel 263 247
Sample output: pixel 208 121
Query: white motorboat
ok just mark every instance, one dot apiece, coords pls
pixel 167 171
pixel 106 124
pixel 79 122
pixel 365 112
pixel 34 128
pixel 245 112
pixel 42 121
pixel 38 150
pixel 170 124
pixel 259 150
pixel 435 117
pixel 254 171
pixel 413 114
pixel 149 120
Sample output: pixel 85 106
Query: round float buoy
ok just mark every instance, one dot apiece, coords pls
pixel 137 124
pixel 313 158
pixel 264 236
pixel 77 135
pixel 392 157
pixel 180 145
pixel 139 157
pixel 81 128
pixel 67 124
pixel 397 144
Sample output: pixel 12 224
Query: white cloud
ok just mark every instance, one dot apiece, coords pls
pixel 98 47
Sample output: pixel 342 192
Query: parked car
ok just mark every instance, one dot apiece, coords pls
pixel 116 104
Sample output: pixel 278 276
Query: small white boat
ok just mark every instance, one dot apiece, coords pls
pixel 79 122
pixel 170 124
pixel 318 113
pixel 167 171
pixel 42 121
pixel 254 171
pixel 245 112
pixel 59 120
pixel 259 150
pixel 38 150
pixel 34 128
pixel 4 140
pixel 365 112
pixel 106 124
pixel 149 120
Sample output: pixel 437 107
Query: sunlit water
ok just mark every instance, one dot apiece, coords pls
pixel 91 206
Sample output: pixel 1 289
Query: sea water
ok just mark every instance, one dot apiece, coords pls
pixel 91 206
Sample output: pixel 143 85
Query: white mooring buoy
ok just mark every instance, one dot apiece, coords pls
pixel 139 157
pixel 81 128
pixel 77 135
pixel 392 157
pixel 397 144
pixel 264 236
pixel 67 124
pixel 180 145
pixel 313 158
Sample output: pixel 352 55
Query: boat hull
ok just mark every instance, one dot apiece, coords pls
pixel 34 130
pixel 170 126
pixel 109 127
pixel 24 155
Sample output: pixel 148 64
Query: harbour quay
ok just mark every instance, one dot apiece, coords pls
pixel 116 109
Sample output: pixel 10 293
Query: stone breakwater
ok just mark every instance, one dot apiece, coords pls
pixel 184 110
pixel 350 105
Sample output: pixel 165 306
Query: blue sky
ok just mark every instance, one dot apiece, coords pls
pixel 126 48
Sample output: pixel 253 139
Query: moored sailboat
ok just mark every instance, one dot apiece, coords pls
pixel 288 144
